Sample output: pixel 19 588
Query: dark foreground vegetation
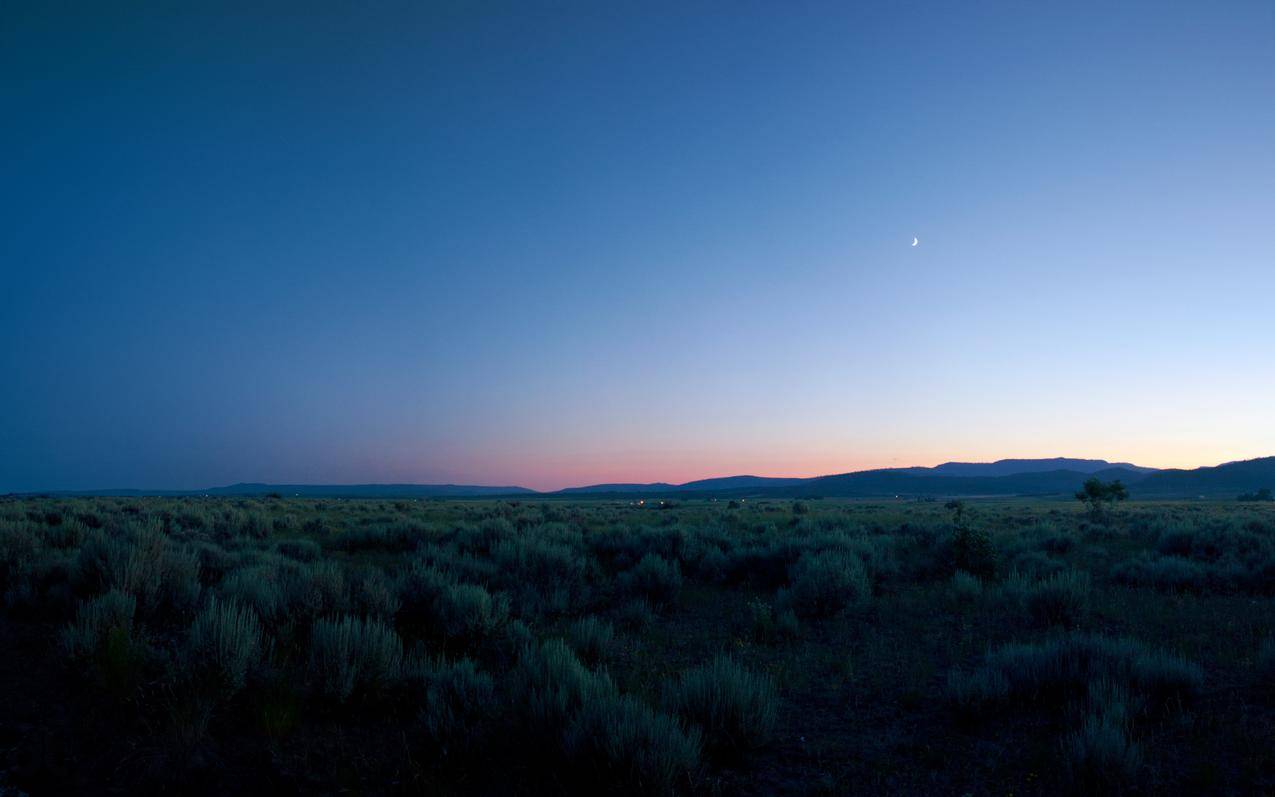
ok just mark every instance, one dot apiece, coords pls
pixel 494 647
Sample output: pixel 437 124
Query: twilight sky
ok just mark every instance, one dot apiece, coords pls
pixel 553 244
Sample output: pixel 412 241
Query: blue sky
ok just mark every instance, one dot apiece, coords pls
pixel 558 244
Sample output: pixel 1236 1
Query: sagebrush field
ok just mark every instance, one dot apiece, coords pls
pixel 712 647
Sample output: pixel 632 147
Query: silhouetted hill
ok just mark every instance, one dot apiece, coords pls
pixel 1004 477
pixel 710 485
pixel 626 487
pixel 911 483
pixel 1225 481
pixel 1012 467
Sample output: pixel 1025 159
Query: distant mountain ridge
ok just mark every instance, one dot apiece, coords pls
pixel 1006 477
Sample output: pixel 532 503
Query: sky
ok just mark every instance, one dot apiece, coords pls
pixel 552 244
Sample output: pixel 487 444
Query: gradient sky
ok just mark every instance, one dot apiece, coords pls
pixel 573 243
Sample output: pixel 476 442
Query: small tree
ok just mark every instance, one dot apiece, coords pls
pixel 1098 495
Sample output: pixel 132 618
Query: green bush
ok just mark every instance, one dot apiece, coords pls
pixel 460 705
pixel 654 578
pixel 352 656
pixel 302 550
pixel 1100 758
pixel 468 611
pixel 97 621
pixel 630 747
pixel 1061 667
pixel 973 552
pixel 966 588
pixel 591 638
pixel 1060 599
pixel 825 583
pixel 735 708
pixel 101 639
pixel 225 642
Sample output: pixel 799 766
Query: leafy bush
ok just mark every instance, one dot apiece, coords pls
pixel 734 707
pixel 352 655
pixel 825 583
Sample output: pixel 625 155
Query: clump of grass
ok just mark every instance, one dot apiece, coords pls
pixel 226 641
pixel 734 707
pixel 353 655
pixel 825 583
pixel 591 638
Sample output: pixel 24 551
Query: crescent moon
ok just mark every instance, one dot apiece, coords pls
pixel 915 241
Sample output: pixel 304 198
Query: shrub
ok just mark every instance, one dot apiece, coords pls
pixel 162 575
pixel 468 611
pixel 966 588
pixel 1100 758
pixel 973 552
pixel 374 596
pixel 1060 599
pixel 590 637
pixel 654 578
pixel 630 746
pixel 302 550
pixel 1062 667
pixel 543 574
pixel 459 706
pixel 1266 660
pixel 551 686
pixel 771 626
pixel 825 583
pixel 973 692
pixel 635 615
pixel 576 713
pixel 735 708
pixel 226 640
pixel 97 621
pixel 101 638
pixel 352 655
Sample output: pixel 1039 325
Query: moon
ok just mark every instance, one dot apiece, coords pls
pixel 915 241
